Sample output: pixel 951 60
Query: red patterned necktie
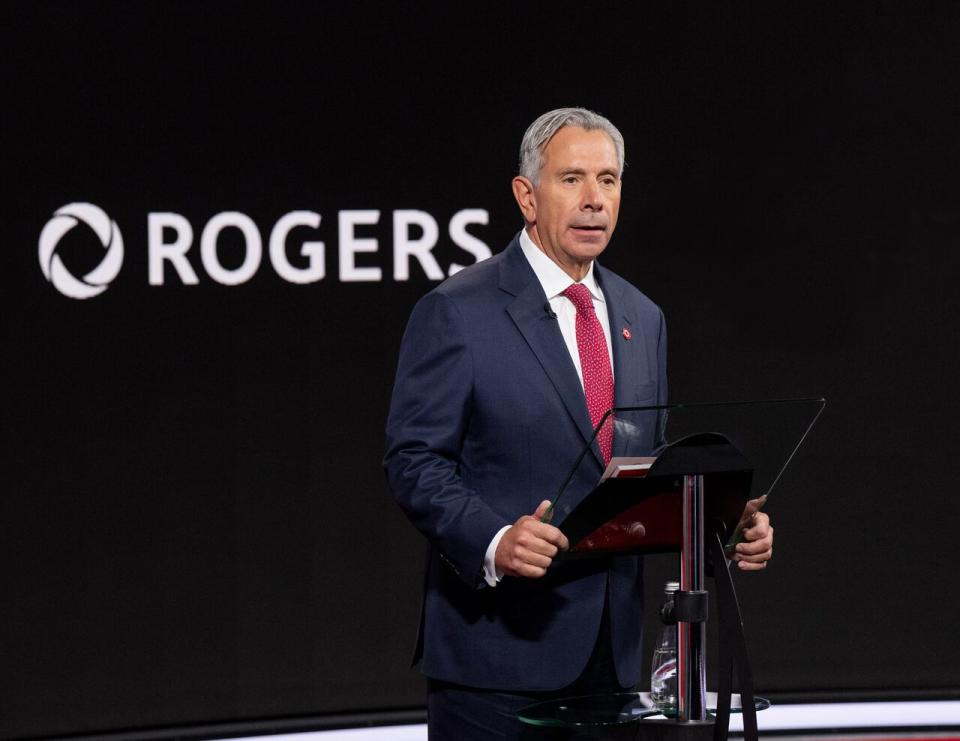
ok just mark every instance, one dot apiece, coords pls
pixel 595 365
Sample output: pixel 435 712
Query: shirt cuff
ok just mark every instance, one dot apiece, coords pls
pixel 490 572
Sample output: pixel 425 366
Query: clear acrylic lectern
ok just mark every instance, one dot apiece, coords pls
pixel 679 481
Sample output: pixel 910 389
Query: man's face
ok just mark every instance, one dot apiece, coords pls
pixel 573 210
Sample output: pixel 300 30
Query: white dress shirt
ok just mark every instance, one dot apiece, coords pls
pixel 554 282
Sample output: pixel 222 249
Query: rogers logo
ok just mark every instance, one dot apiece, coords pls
pixel 96 281
pixel 296 258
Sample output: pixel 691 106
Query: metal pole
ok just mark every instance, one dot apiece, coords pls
pixel 691 637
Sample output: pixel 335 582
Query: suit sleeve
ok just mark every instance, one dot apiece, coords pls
pixel 429 417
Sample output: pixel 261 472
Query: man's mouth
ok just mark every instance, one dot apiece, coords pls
pixel 588 227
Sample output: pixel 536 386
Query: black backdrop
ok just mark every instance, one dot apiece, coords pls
pixel 195 524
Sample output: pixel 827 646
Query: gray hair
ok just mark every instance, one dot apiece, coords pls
pixel 541 131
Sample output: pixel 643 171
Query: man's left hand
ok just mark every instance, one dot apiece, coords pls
pixel 756 548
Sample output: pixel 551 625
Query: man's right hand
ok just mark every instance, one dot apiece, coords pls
pixel 529 546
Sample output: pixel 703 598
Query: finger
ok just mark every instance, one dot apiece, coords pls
pixel 532 572
pixel 548 545
pixel 521 568
pixel 759 529
pixel 750 509
pixel 542 509
pixel 529 538
pixel 756 552
pixel 538 545
pixel 548 533
pixel 532 558
pixel 748 566
pixel 753 547
pixel 754 557
pixel 756 533
pixel 753 506
pixel 765 555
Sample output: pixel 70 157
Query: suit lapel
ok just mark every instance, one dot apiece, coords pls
pixel 624 371
pixel 542 334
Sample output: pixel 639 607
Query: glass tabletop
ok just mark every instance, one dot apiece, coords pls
pixel 609 710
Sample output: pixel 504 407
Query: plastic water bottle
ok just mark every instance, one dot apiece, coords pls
pixel 663 675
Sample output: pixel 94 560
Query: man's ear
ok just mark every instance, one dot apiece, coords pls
pixel 526 200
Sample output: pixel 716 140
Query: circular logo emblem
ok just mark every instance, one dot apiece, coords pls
pixel 95 282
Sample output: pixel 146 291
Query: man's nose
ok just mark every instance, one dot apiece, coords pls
pixel 591 200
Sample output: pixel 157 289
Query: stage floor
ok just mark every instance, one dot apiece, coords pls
pixel 877 721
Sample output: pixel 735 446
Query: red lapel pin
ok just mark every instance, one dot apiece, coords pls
pixel 626 334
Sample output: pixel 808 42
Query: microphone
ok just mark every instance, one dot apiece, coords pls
pixel 550 312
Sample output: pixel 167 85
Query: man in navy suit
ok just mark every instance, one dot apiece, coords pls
pixel 489 410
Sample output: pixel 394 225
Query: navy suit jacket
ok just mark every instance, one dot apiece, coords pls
pixel 487 417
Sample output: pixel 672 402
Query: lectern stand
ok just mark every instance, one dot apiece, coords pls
pixel 690 501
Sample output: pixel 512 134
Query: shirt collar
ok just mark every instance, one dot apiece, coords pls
pixel 551 276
